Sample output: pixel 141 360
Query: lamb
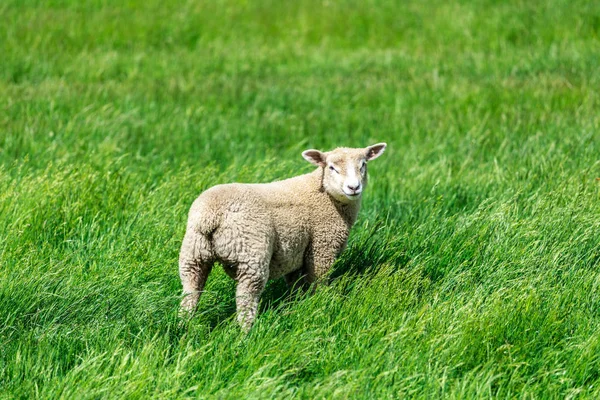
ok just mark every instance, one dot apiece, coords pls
pixel 294 228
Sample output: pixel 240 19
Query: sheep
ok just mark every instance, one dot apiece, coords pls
pixel 294 228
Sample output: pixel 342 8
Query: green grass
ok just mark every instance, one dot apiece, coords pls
pixel 472 272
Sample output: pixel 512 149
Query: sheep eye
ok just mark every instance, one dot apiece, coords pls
pixel 333 169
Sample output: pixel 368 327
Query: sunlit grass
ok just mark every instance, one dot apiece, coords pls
pixel 473 270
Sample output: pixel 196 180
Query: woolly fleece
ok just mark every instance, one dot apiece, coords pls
pixel 294 228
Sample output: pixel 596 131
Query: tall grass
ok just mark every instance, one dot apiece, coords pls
pixel 472 272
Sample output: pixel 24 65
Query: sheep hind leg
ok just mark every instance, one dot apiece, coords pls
pixel 194 268
pixel 251 283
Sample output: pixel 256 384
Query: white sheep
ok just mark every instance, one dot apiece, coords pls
pixel 293 228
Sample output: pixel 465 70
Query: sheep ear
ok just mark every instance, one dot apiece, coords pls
pixel 372 152
pixel 315 157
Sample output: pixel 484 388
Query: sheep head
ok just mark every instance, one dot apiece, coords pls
pixel 344 169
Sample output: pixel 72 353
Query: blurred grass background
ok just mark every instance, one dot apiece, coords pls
pixel 471 273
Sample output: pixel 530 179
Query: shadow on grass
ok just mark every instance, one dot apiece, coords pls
pixel 371 248
pixel 368 250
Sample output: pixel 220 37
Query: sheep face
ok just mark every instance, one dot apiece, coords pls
pixel 344 170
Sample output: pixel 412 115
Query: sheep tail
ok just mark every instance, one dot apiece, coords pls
pixel 203 222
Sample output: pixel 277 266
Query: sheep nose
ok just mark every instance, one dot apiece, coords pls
pixel 354 187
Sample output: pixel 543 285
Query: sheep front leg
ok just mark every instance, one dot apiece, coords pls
pixel 251 283
pixel 295 280
pixel 318 262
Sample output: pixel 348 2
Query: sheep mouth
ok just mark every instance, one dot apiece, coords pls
pixel 353 195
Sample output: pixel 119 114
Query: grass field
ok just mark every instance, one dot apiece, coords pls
pixel 472 272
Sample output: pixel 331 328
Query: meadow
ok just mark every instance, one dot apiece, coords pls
pixel 472 272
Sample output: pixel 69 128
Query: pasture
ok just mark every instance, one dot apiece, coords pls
pixel 473 270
